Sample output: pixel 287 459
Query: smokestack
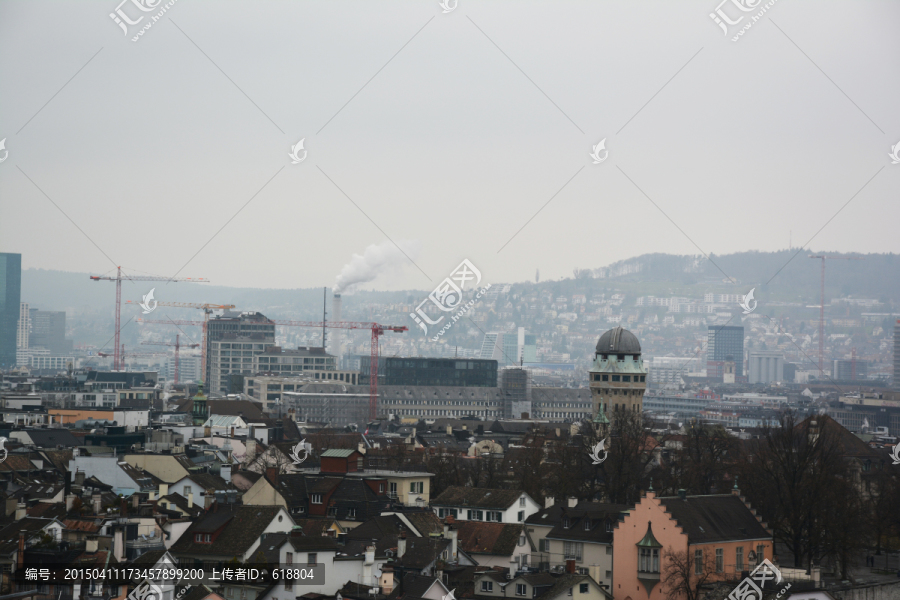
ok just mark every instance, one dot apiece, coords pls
pixel 336 340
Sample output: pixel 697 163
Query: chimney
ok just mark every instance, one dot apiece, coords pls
pixel 190 499
pixel 401 545
pixel 572 502
pixel 449 429
pixel 95 502
pixel 135 501
pixel 682 493
pixel 272 474
pixel 548 501
pixel 453 551
pixel 151 495
pixel 816 573
pixel 570 566
pixel 20 555
pixel 367 565
pixel 70 502
pixel 123 509
pixel 163 489
pixel 90 545
pixel 387 580
pixel 20 511
pixel 336 338
pixel 251 449
pixel 208 501
pixel 225 473
pixel 232 432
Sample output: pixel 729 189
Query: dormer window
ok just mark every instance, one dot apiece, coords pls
pixel 203 538
pixel 315 498
pixel 565 523
pixel 587 524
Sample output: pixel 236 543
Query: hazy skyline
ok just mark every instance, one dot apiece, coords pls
pixel 450 131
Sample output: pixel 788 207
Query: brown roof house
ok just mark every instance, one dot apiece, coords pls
pixel 229 531
pixel 479 504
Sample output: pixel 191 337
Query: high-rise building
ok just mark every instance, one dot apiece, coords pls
pixel 10 304
pixel 232 340
pixel 24 327
pixel 724 341
pixel 518 347
pixel 897 356
pixel 48 330
pixel 849 370
pixel 618 377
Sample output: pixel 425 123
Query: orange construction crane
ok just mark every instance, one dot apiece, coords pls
pixel 377 331
pixel 207 310
pixel 118 279
pixel 177 346
pixel 822 306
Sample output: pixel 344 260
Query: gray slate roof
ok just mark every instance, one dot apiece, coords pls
pixel 714 518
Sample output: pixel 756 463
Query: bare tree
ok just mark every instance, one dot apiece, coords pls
pixel 791 475
pixel 680 578
pixel 625 472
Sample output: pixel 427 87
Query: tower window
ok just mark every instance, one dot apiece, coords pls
pixel 626 378
pixel 605 377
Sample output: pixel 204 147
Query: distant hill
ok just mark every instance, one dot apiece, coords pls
pixel 785 275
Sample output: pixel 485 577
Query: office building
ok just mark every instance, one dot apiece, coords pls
pixel 232 342
pixel 24 327
pixel 492 346
pixel 518 347
pixel 48 330
pixel 395 370
pixel 277 360
pixel 897 356
pixel 618 377
pixel 724 341
pixel 666 371
pixel 849 370
pixel 10 304
pixel 766 367
pixel 188 368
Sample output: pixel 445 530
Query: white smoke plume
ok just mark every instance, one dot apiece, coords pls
pixel 376 260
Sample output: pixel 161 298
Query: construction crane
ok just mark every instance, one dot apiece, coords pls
pixel 822 306
pixel 377 331
pixel 177 346
pixel 207 310
pixel 123 354
pixel 118 279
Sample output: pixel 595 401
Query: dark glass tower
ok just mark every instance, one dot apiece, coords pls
pixel 10 298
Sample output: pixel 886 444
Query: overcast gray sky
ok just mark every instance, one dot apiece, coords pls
pixel 450 130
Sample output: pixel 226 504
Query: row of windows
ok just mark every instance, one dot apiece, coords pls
pixel 621 378
pixel 720 559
